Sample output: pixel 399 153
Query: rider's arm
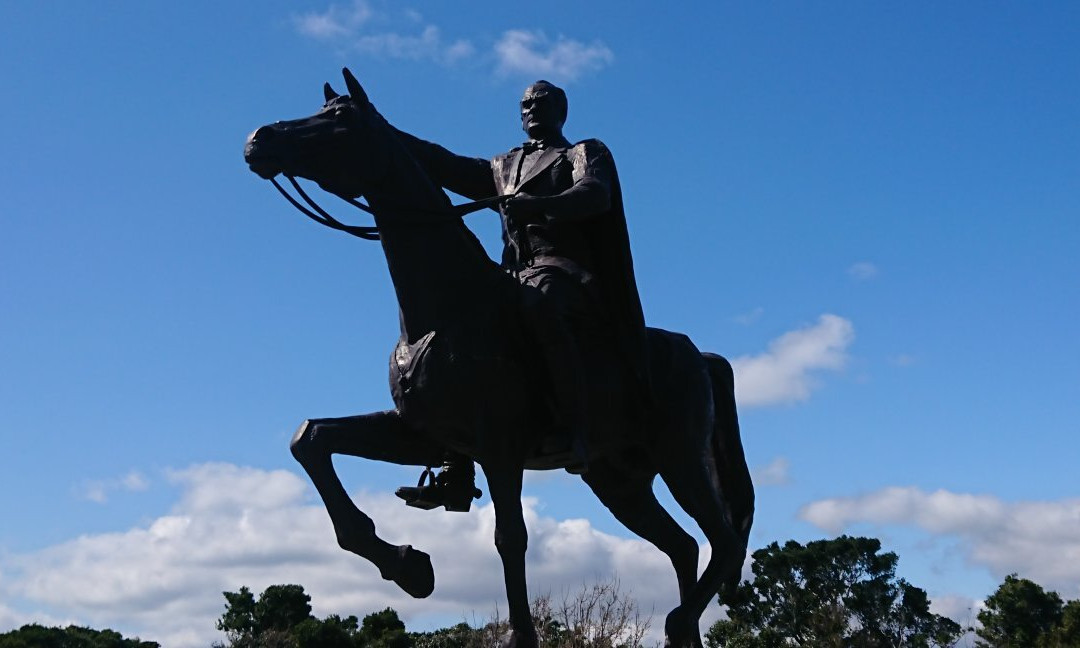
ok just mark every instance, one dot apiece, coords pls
pixel 465 176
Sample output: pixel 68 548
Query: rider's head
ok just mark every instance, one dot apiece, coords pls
pixel 543 110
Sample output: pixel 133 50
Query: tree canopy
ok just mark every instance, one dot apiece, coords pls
pixel 1021 614
pixel 841 592
pixel 38 636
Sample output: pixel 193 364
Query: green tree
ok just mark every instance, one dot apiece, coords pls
pixel 384 630
pixel 270 621
pixel 238 621
pixel 38 636
pixel 1067 632
pixel 331 632
pixel 840 593
pixel 1021 614
pixel 281 607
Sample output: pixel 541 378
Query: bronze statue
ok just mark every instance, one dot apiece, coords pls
pixel 565 239
pixel 467 379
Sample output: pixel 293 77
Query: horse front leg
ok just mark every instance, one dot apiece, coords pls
pixel 511 540
pixel 382 436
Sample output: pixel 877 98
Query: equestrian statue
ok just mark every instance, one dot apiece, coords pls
pixel 540 362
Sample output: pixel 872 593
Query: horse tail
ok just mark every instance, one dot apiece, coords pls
pixel 732 474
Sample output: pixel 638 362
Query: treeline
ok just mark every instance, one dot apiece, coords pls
pixel 38 636
pixel 843 593
pixel 598 615
pixel 839 593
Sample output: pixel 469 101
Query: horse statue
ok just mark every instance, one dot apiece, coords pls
pixel 461 382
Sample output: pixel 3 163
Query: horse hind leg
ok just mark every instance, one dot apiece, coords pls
pixel 736 486
pixel 694 488
pixel 687 458
pixel 630 498
pixel 382 436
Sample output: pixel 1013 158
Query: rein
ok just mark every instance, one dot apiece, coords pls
pixel 368 232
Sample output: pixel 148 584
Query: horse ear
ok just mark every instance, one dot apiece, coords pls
pixel 356 92
pixel 328 92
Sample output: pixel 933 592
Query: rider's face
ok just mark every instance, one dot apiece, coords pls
pixel 541 113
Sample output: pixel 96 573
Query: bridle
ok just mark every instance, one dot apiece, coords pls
pixel 369 232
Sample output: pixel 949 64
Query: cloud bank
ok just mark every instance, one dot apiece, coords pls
pixel 785 373
pixel 1038 540
pixel 235 525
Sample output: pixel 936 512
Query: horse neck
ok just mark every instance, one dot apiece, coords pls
pixel 440 272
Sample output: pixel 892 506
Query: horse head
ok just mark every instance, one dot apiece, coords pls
pixel 335 148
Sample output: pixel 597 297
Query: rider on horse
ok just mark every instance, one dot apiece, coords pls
pixel 565 239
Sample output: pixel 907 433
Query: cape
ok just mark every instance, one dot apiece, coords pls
pixel 608 242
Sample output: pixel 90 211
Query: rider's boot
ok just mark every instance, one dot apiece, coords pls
pixel 453 488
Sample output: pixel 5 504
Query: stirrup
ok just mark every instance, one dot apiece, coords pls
pixel 433 491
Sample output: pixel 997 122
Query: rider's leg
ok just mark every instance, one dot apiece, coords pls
pixel 453 488
pixel 551 301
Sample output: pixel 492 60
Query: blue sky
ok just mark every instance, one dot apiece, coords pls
pixel 872 209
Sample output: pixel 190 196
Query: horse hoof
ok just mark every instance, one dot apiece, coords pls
pixel 412 572
pixel 677 630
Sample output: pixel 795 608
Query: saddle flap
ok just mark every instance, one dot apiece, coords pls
pixel 406 361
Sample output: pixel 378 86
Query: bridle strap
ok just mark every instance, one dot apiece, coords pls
pixel 323 218
pixel 367 232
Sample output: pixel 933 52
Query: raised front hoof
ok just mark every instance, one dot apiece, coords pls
pixel 411 570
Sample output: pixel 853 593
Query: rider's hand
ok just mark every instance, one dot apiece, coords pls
pixel 523 206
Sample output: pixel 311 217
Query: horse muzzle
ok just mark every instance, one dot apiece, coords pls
pixel 259 154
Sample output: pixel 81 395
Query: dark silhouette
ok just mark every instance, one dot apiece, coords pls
pixel 565 239
pixel 465 382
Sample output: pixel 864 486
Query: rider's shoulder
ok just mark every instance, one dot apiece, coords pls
pixel 590 153
pixel 591 148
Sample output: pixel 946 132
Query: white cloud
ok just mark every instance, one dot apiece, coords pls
pixel 775 473
pixel 783 374
pixel 863 270
pixel 520 51
pixel 746 319
pixel 344 25
pixel 961 609
pixel 94 491
pixel 903 360
pixel 517 51
pixel 428 44
pixel 236 526
pixel 335 22
pixel 1038 540
pixel 98 490
pixel 134 481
